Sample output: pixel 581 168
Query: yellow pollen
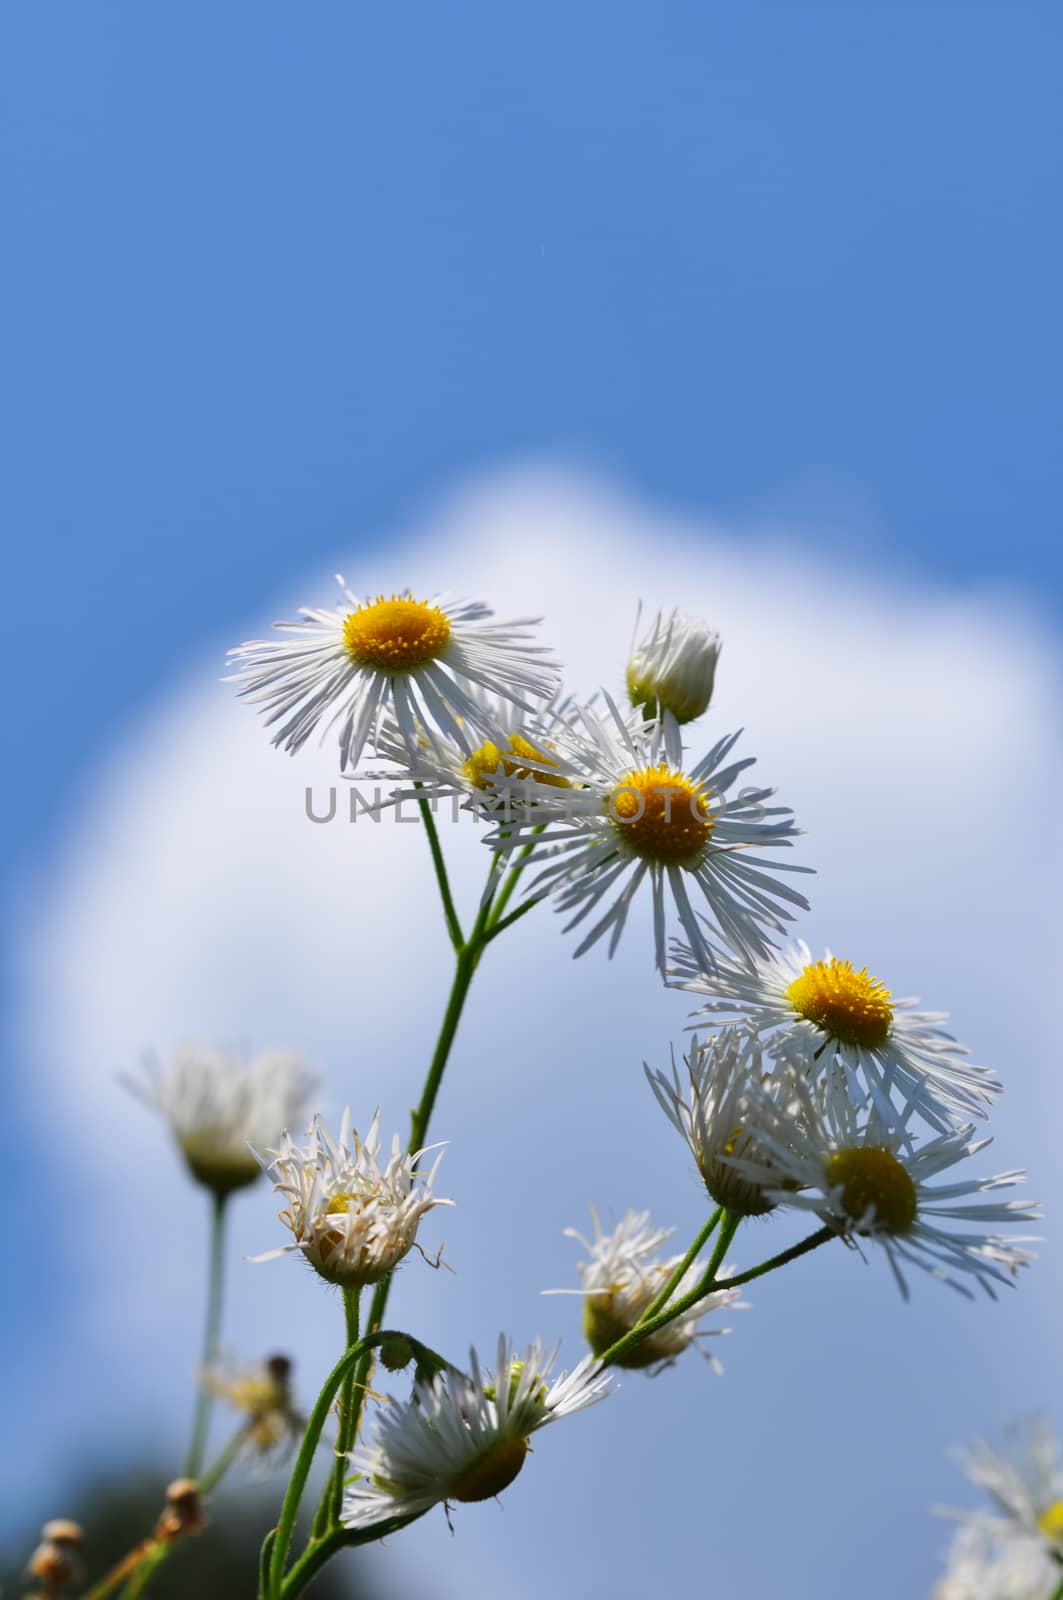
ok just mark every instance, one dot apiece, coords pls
pixel 847 1004
pixel 1050 1522
pixel 661 815
pixel 492 1473
pixel 396 635
pixel 872 1179
pixel 337 1206
pixel 485 762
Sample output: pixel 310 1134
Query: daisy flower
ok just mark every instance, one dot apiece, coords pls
pixel 463 1438
pixel 672 668
pixel 720 1105
pixel 1025 1487
pixel 633 813
pixel 839 1015
pixel 862 1178
pixel 216 1103
pixel 980 1569
pixel 623 1277
pixel 418 658
pixel 352 1218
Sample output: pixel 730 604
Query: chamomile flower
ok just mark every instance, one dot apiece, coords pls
pixel 352 1218
pixel 1025 1486
pixel 720 1105
pixel 841 1017
pixel 623 1277
pixel 634 813
pixel 861 1176
pixel 463 1438
pixel 216 1104
pixel 418 658
pixel 672 668
pixel 979 1568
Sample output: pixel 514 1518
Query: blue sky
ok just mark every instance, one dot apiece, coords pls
pixel 277 277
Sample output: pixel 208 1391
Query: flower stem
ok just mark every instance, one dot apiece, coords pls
pixel 325 1537
pixel 676 1277
pixel 211 1333
pixel 348 1415
pixel 783 1259
pixel 457 938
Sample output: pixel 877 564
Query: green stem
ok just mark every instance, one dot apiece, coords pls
pixel 514 916
pixel 509 884
pixel 281 1536
pixel 783 1259
pixel 317 1555
pixel 1057 1593
pixel 348 1418
pixel 211 1333
pixel 221 1463
pixel 468 951
pixel 709 1283
pixel 457 938
pixel 676 1277
pixel 303 1461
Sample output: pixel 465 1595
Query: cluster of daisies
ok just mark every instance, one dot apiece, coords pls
pixel 1015 1551
pixel 807 1084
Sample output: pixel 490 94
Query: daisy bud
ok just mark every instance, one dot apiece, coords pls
pixel 63 1532
pixel 184 1509
pixel 53 1564
pixel 673 668
pixel 396 1352
pixel 352 1218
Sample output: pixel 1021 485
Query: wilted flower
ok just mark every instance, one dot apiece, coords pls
pixel 353 1219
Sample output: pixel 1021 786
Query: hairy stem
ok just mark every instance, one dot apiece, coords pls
pixel 676 1277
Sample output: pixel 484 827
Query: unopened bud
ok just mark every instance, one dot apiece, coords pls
pixel 674 668
pixel 184 1511
pixel 396 1352
pixel 53 1565
pixel 63 1532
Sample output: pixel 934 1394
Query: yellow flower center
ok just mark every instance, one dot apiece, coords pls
pixel 1050 1522
pixel 847 1004
pixel 338 1205
pixel 661 815
pixel 396 635
pixel 485 762
pixel 493 1472
pixel 872 1179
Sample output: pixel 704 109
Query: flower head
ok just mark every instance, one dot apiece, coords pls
pixel 463 1438
pixel 216 1104
pixel 352 1218
pixel 861 1175
pixel 844 1020
pixel 980 1568
pixel 633 812
pixel 623 1277
pixel 672 669
pixel 262 1392
pixel 721 1107
pixel 420 659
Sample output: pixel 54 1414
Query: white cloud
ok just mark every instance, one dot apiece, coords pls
pixel 912 733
